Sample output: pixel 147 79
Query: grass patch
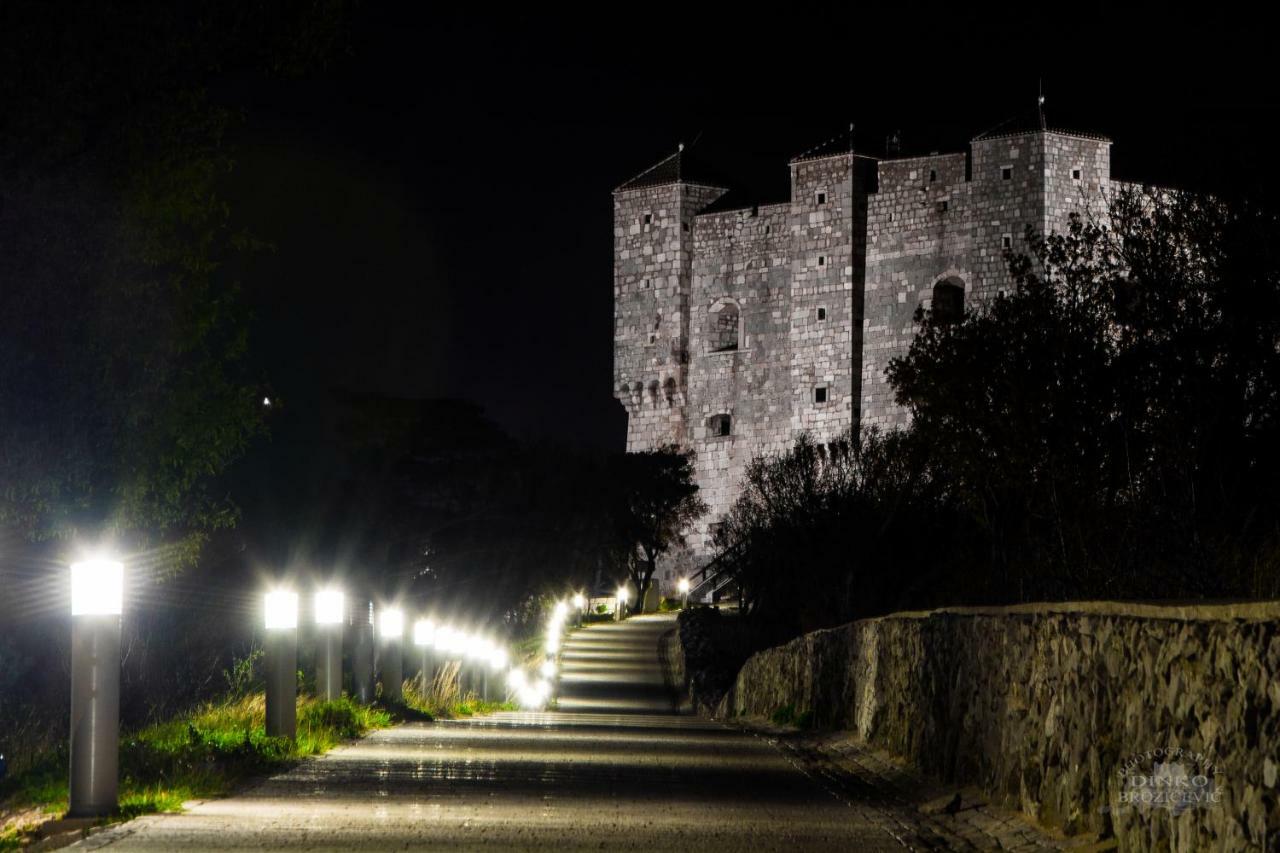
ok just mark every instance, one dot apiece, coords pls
pixel 203 754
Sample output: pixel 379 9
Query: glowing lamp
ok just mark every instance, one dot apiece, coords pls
pixel 424 632
pixel 444 638
pixel 392 624
pixel 281 610
pixel 498 659
pixel 683 585
pixel 622 594
pixel 549 669
pixel 579 601
pixel 330 607
pixel 516 679
pixel 97 588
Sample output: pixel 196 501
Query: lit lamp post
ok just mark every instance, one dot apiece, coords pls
pixel 97 596
pixel 391 633
pixel 282 663
pixel 362 683
pixel 683 586
pixel 580 608
pixel 330 611
pixel 424 635
pixel 498 663
pixel 622 602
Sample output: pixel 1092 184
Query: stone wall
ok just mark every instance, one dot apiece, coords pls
pixel 1042 705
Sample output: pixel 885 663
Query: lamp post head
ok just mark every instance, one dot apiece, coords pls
pixel 622 594
pixel 330 607
pixel 391 624
pixel 281 607
pixel 579 601
pixel 683 585
pixel 97 587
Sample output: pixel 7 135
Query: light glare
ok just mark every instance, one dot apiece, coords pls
pixel 423 632
pixel 330 609
pixel 97 587
pixel 392 624
pixel 281 610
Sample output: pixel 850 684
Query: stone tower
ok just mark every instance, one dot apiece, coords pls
pixel 652 274
pixel 737 328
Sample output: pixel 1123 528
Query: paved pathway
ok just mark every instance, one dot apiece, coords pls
pixel 613 769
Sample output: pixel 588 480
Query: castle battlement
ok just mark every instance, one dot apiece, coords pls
pixel 739 327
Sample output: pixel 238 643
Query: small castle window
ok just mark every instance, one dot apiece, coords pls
pixel 948 300
pixel 723 334
pixel 822 313
pixel 684 226
pixel 822 260
pixel 768 228
pixel 933 175
pixel 1075 175
pixel 1007 241
pixel 648 219
pixel 1006 173
pixel 943 206
pixel 646 284
pixel 820 394
pixel 720 426
pixel 822 198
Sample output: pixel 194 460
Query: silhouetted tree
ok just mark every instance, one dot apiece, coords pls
pixel 1112 423
pixel 655 500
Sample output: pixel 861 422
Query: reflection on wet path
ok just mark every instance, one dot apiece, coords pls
pixel 614 768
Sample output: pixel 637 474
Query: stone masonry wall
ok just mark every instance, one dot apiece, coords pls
pixel 742 258
pixel 1041 705
pixel 652 276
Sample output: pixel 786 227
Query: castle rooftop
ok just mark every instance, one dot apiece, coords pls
pixel 680 168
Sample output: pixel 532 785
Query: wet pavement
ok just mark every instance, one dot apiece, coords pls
pixel 614 768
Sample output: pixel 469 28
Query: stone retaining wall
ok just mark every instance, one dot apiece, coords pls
pixel 1042 705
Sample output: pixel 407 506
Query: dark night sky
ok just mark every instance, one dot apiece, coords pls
pixel 439 199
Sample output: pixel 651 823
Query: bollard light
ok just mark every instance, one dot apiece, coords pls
pixel 281 612
pixel 424 631
pixel 362 681
pixel 424 637
pixel 330 607
pixel 330 611
pixel 579 601
pixel 622 602
pixel 97 600
pixel 391 633
pixel 683 586
pixel 391 625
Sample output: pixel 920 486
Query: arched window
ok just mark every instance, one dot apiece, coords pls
pixel 719 426
pixel 724 326
pixel 948 300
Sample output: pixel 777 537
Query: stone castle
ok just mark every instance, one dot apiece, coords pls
pixel 738 328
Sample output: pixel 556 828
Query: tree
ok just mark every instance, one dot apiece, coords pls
pixel 655 500
pixel 1112 424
